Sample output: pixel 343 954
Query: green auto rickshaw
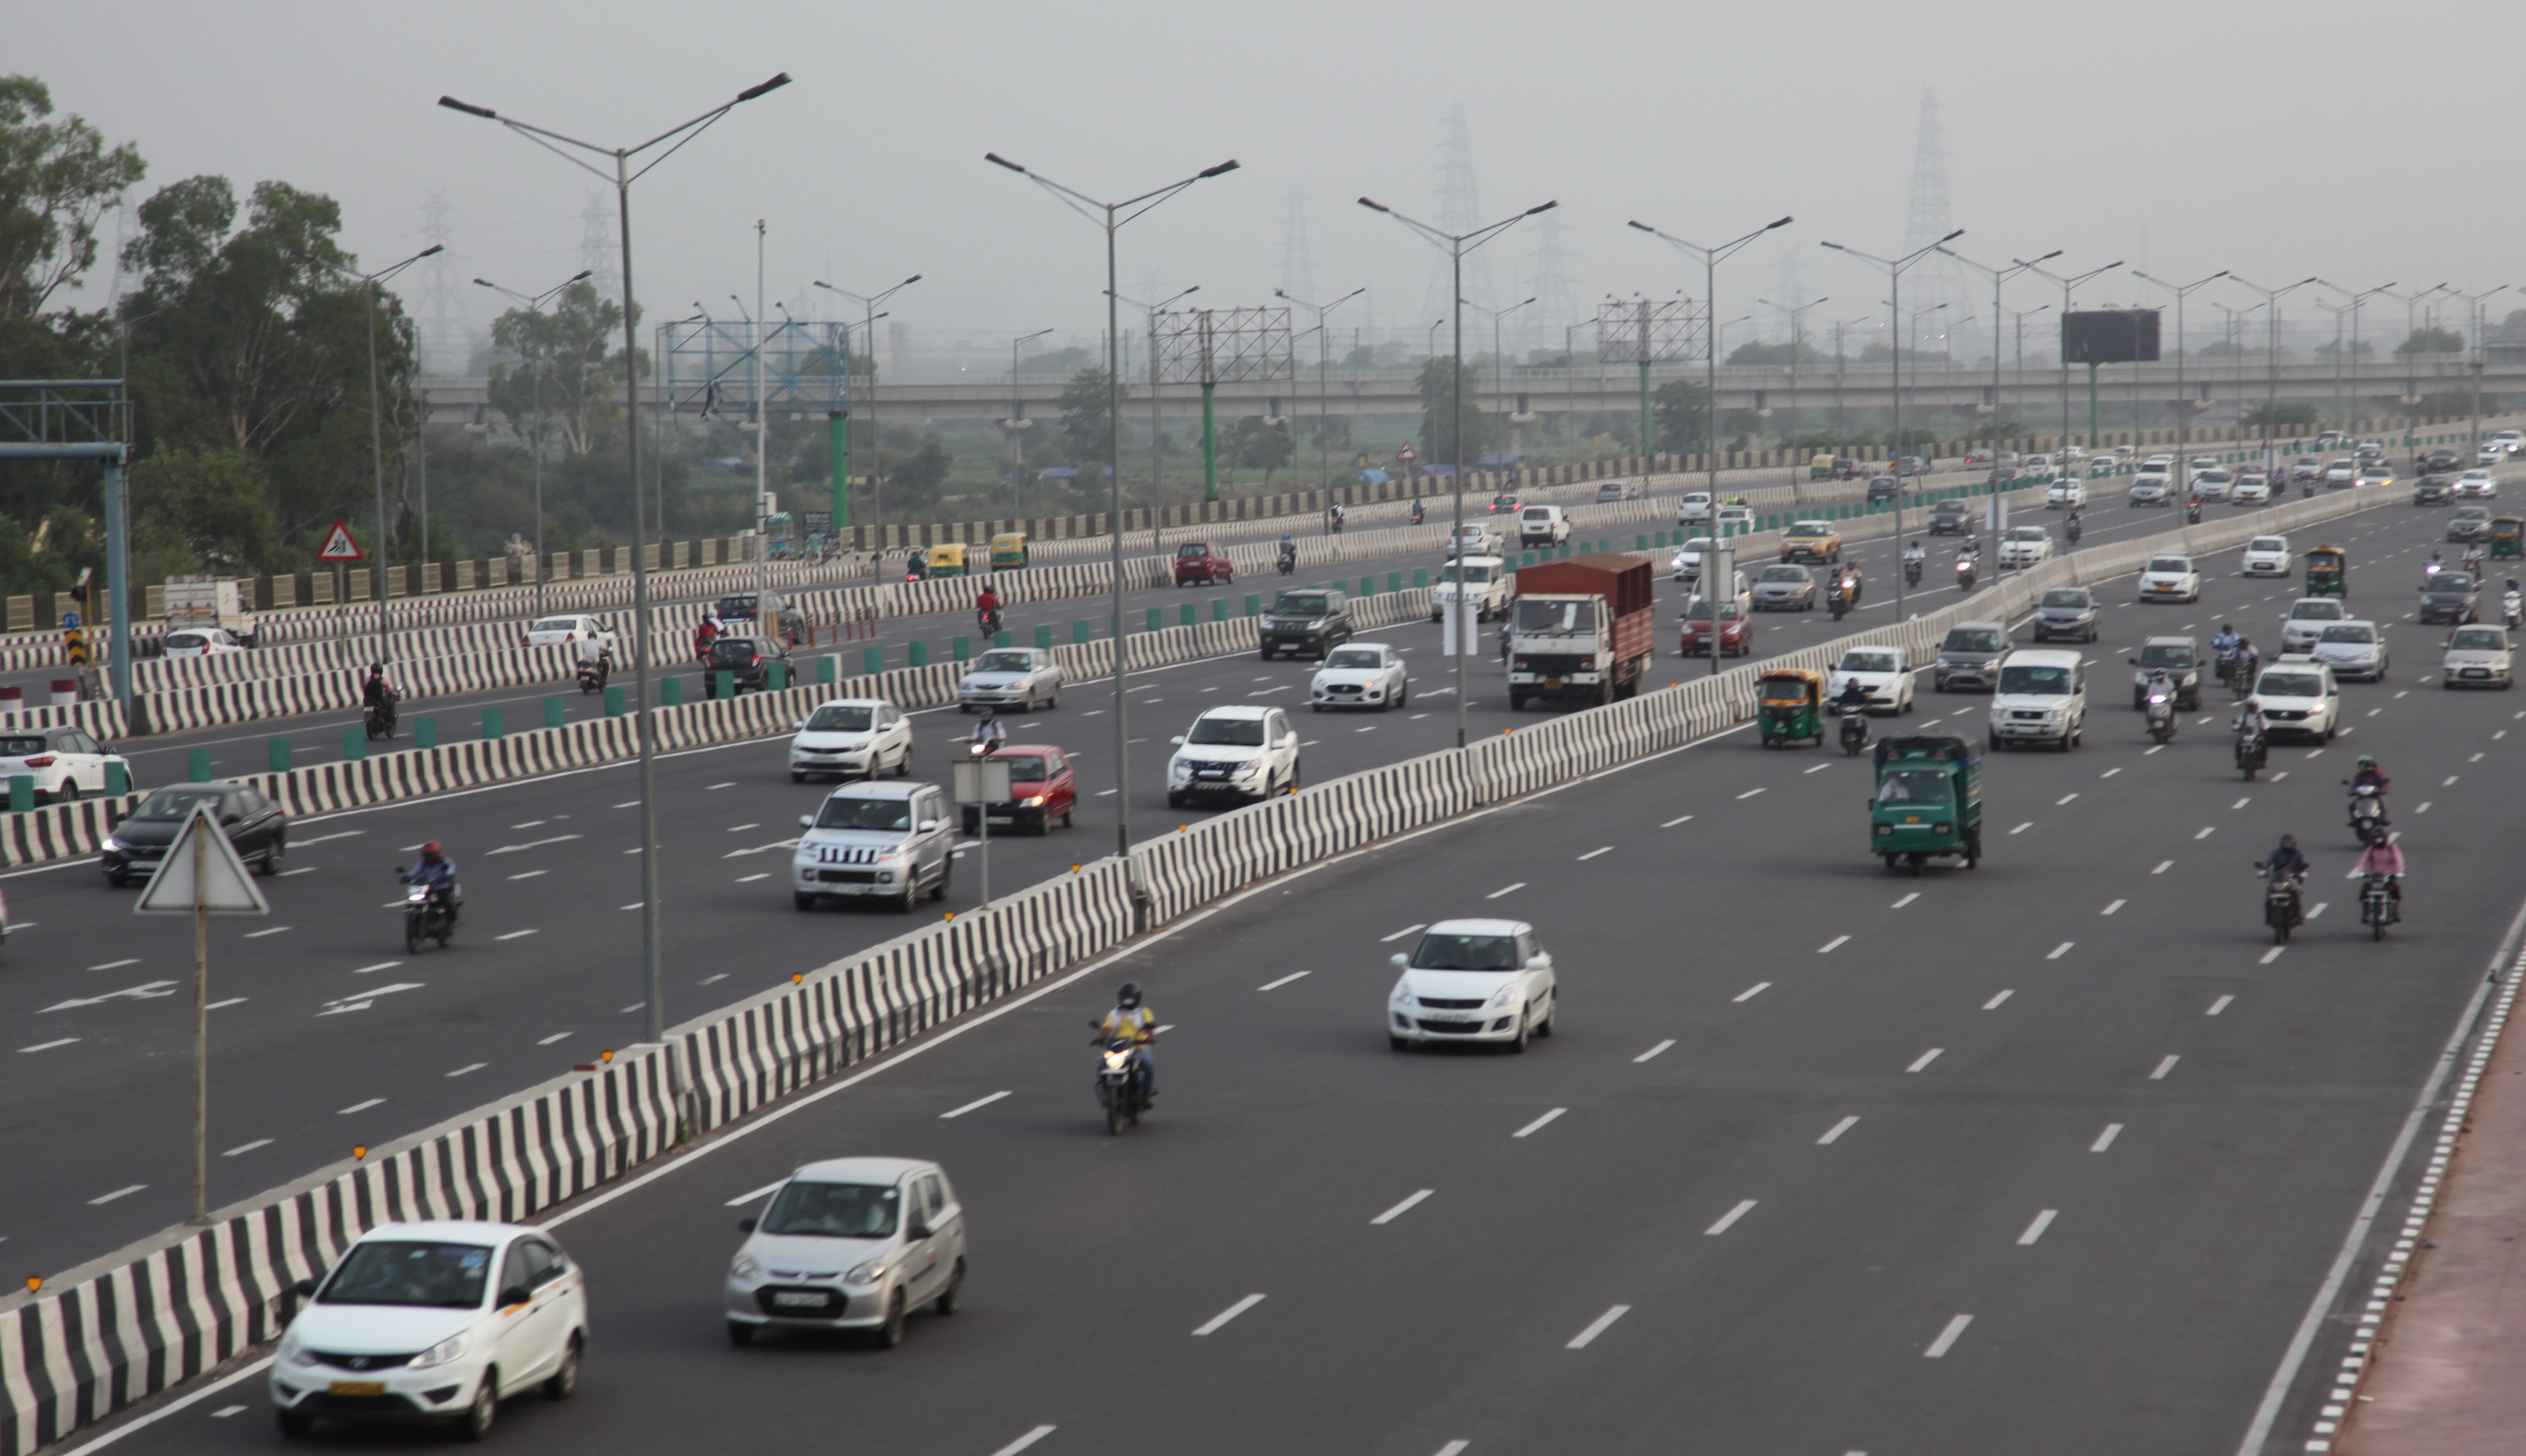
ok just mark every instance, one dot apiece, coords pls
pixel 2328 572
pixel 1790 707
pixel 2507 537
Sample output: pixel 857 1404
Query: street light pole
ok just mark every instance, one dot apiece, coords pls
pixel 622 176
pixel 2068 283
pixel 1499 395
pixel 1109 216
pixel 2183 404
pixel 876 447
pixel 1457 246
pixel 1710 258
pixel 2272 360
pixel 2474 322
pixel 1018 425
pixel 1998 277
pixel 1323 364
pixel 372 283
pixel 1797 325
pixel 534 305
pixel 1157 457
pixel 1894 269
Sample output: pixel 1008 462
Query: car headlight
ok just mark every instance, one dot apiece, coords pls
pixel 1035 802
pixel 743 1267
pixel 1401 994
pixel 451 1348
pixel 866 1274
pixel 1504 996
pixel 1249 768
pixel 114 844
pixel 295 1353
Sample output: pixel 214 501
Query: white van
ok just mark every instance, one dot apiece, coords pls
pixel 2042 698
pixel 1543 526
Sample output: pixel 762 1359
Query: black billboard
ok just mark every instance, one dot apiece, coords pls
pixel 2110 336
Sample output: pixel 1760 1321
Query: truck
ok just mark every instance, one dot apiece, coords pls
pixel 1927 801
pixel 211 601
pixel 1581 628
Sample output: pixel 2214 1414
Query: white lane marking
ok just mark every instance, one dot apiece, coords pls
pixel 247 1147
pixel 1994 1003
pixel 1947 1339
pixel 321 838
pixel 1731 1217
pixel 380 965
pixel 2146 752
pixel 530 875
pixel 750 879
pixel 1907 900
pixel 2271 955
pixel 628 804
pixel 2110 909
pixel 1454 1448
pixel 1751 991
pixel 713 786
pixel 2220 1005
pixel 110 965
pixel 1653 1052
pixel 2423 807
pixel 470 1067
pixel 1026 1441
pixel 2060 951
pixel 1401 1209
pixel 2164 1066
pixel 742 1199
pixel 1104 794
pixel 2450 780
pixel 556 1037
pixel 2109 773
pixel 514 936
pixel 1830 946
pixel 1597 1327
pixel 1230 1313
pixel 2022 829
pixel 116 1193
pixel 146 991
pixel 534 844
pixel 2162 866
pixel 1925 1059
pixel 2207 832
pixel 1820 768
pixel 959 1112
pixel 2477 758
pixel 1750 793
pixel 2277 777
pixel 1504 889
pixel 1532 1128
pixel 1672 823
pixel 634 1006
pixel 1592 854
pixel 1400 934
pixel 360 1107
pixel 1837 1129
pixel 740 828
pixel 2241 803
pixel 1283 980
pixel 2064 799
pixel 2035 1230
pixel 49 1045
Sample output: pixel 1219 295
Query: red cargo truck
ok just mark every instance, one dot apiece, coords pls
pixel 1582 627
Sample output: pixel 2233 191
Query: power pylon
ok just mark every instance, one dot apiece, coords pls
pixel 444 340
pixel 597 241
pixel 1548 282
pixel 1936 280
pixel 1460 210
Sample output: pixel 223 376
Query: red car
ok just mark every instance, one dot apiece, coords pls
pixel 1736 635
pixel 1043 787
pixel 1203 563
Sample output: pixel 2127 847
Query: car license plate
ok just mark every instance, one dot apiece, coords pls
pixel 1003 819
pixel 801 1299
pixel 1553 683
pixel 356 1387
pixel 2477 671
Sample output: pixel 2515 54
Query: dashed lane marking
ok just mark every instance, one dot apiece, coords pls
pixel 360 1107
pixel 2060 951
pixel 116 1193
pixel 1728 1217
pixel 1401 1209
pixel 1597 1327
pixel 246 1147
pixel 1534 1127
pixel 1504 889
pixel 514 936
pixel 1026 1441
pixel 1400 934
pixel 2106 1140
pixel 1907 900
pixel 1947 1339
pixel 2220 1005
pixel 1672 823
pixel 1592 854
pixel 2110 909
pixel 1834 1132
pixel 2165 1065
pixel 1994 1003
pixel 1274 986
pixel 978 1102
pixel 1653 1052
pixel 49 1045
pixel 1925 1059
pixel 1751 991
pixel 1216 1321
pixel 1830 946
pixel 2035 1230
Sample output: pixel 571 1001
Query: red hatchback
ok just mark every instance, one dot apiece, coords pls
pixel 1736 635
pixel 1043 787
pixel 1203 563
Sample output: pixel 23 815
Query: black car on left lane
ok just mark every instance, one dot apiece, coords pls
pixel 253 823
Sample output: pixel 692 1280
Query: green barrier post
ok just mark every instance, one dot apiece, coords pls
pixel 962 648
pixel 917 654
pixel 118 779
pixel 723 685
pixel 1253 605
pixel 355 744
pixel 1080 631
pixel 556 712
pixel 1187 613
pixel 21 793
pixel 671 691
pixel 1219 609
pixel 1043 636
pixel 1156 620
pixel 197 766
pixel 828 671
pixel 775 678
pixel 424 730
pixel 1420 577
pixel 1002 637
pixel 276 755
pixel 613 700
pixel 494 725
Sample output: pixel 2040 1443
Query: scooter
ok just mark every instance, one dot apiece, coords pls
pixel 2070 528
pixel 1965 575
pixel 2254 750
pixel 2281 907
pixel 2510 609
pixel 1838 600
pixel 1911 571
pixel 2192 513
pixel 988 622
pixel 429 912
pixel 2367 815
pixel 2161 713
pixel 1288 562
pixel 593 674
pixel 1118 1082
pixel 1416 513
pixel 1854 730
pixel 2378 907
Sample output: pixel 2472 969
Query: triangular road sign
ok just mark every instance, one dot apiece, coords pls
pixel 222 888
pixel 339 545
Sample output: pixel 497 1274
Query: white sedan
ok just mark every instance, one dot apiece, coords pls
pixel 1473 980
pixel 852 738
pixel 1881 672
pixel 549 632
pixel 2479 657
pixel 2269 556
pixel 2212 485
pixel 1360 674
pixel 2477 484
pixel 2068 491
pixel 201 641
pixel 2025 546
pixel 2170 578
pixel 1686 564
pixel 62 762
pixel 2250 490
pixel 1011 678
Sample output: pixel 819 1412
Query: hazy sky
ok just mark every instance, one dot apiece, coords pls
pixel 2268 139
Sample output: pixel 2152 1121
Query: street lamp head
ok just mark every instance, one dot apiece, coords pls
pixel 1952 237
pixel 581 274
pixel 1375 206
pixel 485 283
pixel 774 85
pixel 433 249
pixel 1784 222
pixel 1222 170
pixel 1540 207
pixel 452 104
pixel 908 283
pixel 828 287
pixel 1837 247
pixel 997 160
pixel 2046 258
pixel 1645 228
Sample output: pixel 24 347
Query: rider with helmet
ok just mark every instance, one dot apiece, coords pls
pixel 1133 1022
pixel 990 733
pixel 437 872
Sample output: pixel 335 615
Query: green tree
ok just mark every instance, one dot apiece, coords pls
pixel 914 481
pixel 212 501
pixel 1257 445
pixel 56 180
pixel 2431 342
pixel 1438 412
pixel 1680 417
pixel 1085 407
pixel 2288 413
pixel 1756 351
pixel 2444 404
pixel 574 346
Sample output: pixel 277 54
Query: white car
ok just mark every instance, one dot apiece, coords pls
pixel 2213 484
pixel 1486 585
pixel 1881 672
pixel 2269 556
pixel 2479 657
pixel 1542 526
pixel 2170 578
pixel 1476 538
pixel 64 762
pixel 2341 472
pixel 1686 564
pixel 2068 454
pixel 1736 521
pixel 1473 980
pixel 201 641
pixel 1022 678
pixel 2025 546
pixel 1241 752
pixel 2376 477
pixel 2477 484
pixel 2299 696
pixel 1692 508
pixel 2490 454
pixel 852 738
pixel 2511 440
pixel 2306 620
pixel 2035 470
pixel 432 1323
pixel 2042 697
pixel 2150 487
pixel 2162 462
pixel 549 631
pixel 2352 649
pixel 1360 674
pixel 2200 462
pixel 849 1243
pixel 2252 488
pixel 2068 491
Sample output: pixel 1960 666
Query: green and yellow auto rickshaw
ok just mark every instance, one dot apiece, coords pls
pixel 1008 550
pixel 2507 537
pixel 948 560
pixel 2328 572
pixel 1790 707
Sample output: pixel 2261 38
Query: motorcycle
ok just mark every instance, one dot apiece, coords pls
pixel 593 674
pixel 1965 575
pixel 2241 678
pixel 2367 815
pixel 1334 524
pixel 2282 908
pixel 379 720
pixel 1416 513
pixel 1912 570
pixel 1854 730
pixel 1119 1088
pixel 2254 750
pixel 2192 513
pixel 988 622
pixel 2070 530
pixel 1289 560
pixel 2378 907
pixel 1838 599
pixel 2511 610
pixel 2160 708
pixel 2308 490
pixel 429 912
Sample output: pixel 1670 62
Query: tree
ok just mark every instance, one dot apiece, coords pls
pixel 1260 446
pixel 1085 407
pixel 212 501
pixel 1438 443
pixel 2444 404
pixel 56 180
pixel 915 480
pixel 574 345
pixel 1756 351
pixel 1679 414
pixel 2431 342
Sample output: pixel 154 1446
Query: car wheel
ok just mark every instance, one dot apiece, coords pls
pixel 952 1298
pixel 1552 1017
pixel 797 778
pixel 1397 1043
pixel 946 869
pixel 903 765
pixel 295 1426
pixel 1053 701
pixel 739 1336
pixel 1525 1033
pixel 68 792
pixel 890 1333
pixel 272 856
pixel 563 1382
pixel 476 1422
pixel 1174 800
pixel 803 900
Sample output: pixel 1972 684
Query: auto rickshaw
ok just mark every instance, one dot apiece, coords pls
pixel 1008 550
pixel 2507 537
pixel 1792 707
pixel 2328 572
pixel 948 560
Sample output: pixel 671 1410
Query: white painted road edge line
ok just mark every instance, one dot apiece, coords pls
pixel 1401 1209
pixel 1539 1122
pixel 970 1106
pixel 1026 1441
pixel 1230 1313
pixel 742 1199
pixel 1597 1327
pixel 1947 1339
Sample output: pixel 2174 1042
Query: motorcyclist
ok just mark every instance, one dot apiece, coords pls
pixel 2249 719
pixel 376 691
pixel 436 871
pixel 2512 605
pixel 703 635
pixel 2369 775
pixel 2160 689
pixel 2436 565
pixel 1853 698
pixel 597 655
pixel 2071 528
pixel 2285 862
pixel 1333 517
pixel 1848 578
pixel 1416 513
pixel 986 608
pixel 2248 659
pixel 990 732
pixel 2386 859
pixel 1133 1022
pixel 1913 555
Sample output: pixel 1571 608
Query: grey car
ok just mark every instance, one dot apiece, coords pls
pixel 1011 678
pixel 2468 522
pixel 875 842
pixel 1969 657
pixel 849 1243
pixel 1784 588
pixel 2353 650
pixel 2066 611
pixel 2181 659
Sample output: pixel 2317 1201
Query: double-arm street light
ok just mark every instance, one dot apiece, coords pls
pixel 2355 302
pixel 2182 403
pixel 1499 362
pixel 1018 425
pixel 622 173
pixel 1895 270
pixel 534 303
pixel 1110 217
pixel 1456 245
pixel 1710 258
pixel 1324 365
pixel 1998 277
pixel 2067 284
pixel 2272 362
pixel 841 448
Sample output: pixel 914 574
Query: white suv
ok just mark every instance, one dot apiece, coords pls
pixel 879 842
pixel 1692 508
pixel 2042 698
pixel 1542 526
pixel 1473 980
pixel 1243 752
pixel 1486 587
pixel 2299 696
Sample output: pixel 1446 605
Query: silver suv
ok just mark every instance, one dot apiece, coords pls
pixel 881 841
pixel 1969 657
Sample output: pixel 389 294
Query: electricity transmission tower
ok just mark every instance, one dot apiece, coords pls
pixel 1936 281
pixel 1461 211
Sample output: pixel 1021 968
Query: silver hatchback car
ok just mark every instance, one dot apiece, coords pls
pixel 850 1243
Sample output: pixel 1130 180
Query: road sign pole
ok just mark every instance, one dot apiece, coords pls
pixel 201 1031
pixel 201 876
pixel 118 582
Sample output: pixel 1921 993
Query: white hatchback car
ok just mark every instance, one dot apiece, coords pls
pixel 1473 980
pixel 550 631
pixel 412 1325
pixel 2068 491
pixel 1881 672
pixel 2148 488
pixel 850 1243
pixel 852 738
pixel 1246 752
pixel 1692 508
pixel 2269 556
pixel 2213 485
pixel 2170 578
pixel 2479 657
pixel 2251 489
pixel 200 641
pixel 2299 696
pixel 1362 675
pixel 64 762
pixel 2308 618
pixel 2353 650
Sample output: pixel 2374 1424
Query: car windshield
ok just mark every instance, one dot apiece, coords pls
pixel 164 804
pixel 1948 508
pixel 557 624
pixel 2042 681
pixel 2287 685
pixel 2175 566
pixel 865 814
pixel 1194 549
pixel 1811 529
pixel 1538 513
pixel 2066 599
pixel 2351 632
pixel 393 1271
pixel 187 640
pixel 1356 657
pixel 805 1209
pixel 2268 544
pixel 1867 660
pixel 2451 581
pixel 1700 611
pixel 2318 611
pixel 736 649
pixel 1024 765
pixel 1474 574
pixel 2479 640
pixel 2472 512
pixel 1437 952
pixel 735 606
pixel 1004 661
pixel 1235 732
pixel 1784 574
pixel 1543 617
pixel 2166 655
pixel 1913 786
pixel 838 718
pixel 1971 640
pixel 2026 532
pixel 1298 603
pixel 2213 478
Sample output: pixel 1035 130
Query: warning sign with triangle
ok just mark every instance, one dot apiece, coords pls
pixel 201 871
pixel 339 545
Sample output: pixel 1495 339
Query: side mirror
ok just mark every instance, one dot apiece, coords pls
pixel 917 1229
pixel 1401 960
pixel 2134 661
pixel 745 1225
pixel 806 821
pixel 306 1288
pixel 400 869
pixel 515 1295
pixel 1540 963
pixel 1177 740
pixel 928 825
pixel 799 727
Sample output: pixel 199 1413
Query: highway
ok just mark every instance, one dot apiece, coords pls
pixel 324 987
pixel 2048 1155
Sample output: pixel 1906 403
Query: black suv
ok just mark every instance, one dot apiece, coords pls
pixel 1951 518
pixel 255 825
pixel 747 660
pixel 1311 618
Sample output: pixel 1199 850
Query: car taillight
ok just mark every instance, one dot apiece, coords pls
pixel 43 762
pixel 755 660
